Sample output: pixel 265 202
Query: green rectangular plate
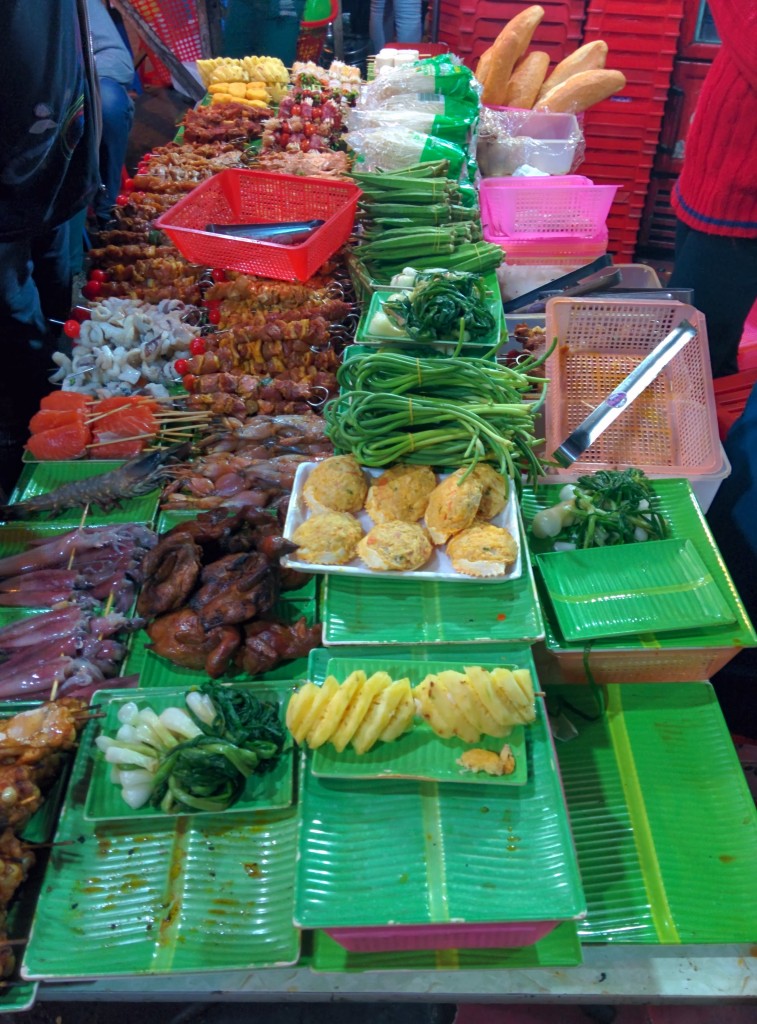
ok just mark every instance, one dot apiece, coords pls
pixel 676 501
pixel 363 610
pixel 42 477
pixel 468 854
pixel 419 754
pixel 628 589
pixel 560 948
pixel 155 897
pixel 364 335
pixel 104 802
pixel 156 671
pixel 664 823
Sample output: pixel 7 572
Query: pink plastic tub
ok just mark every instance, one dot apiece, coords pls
pixel 441 936
pixel 541 209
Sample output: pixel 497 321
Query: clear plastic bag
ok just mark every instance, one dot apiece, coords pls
pixel 445 79
pixel 509 139
pixel 393 147
pixel 450 129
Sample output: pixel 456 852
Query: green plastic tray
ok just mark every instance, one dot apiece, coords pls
pixel 468 854
pixel 42 477
pixel 364 335
pixel 364 610
pixel 182 895
pixel 560 948
pixel 271 791
pixel 677 503
pixel 419 753
pixel 660 586
pixel 664 823
pixel 156 671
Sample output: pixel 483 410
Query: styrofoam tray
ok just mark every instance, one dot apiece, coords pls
pixel 438 567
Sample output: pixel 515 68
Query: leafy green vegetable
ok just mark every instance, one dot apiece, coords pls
pixel 246 721
pixel 608 507
pixel 443 305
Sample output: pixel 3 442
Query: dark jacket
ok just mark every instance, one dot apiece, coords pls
pixel 50 115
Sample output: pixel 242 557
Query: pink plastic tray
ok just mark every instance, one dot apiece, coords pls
pixel 539 209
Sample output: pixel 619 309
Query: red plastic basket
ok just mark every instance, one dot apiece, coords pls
pixel 238 197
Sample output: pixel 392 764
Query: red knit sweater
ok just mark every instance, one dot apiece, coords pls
pixel 717 190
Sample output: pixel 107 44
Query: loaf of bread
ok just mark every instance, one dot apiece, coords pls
pixel 590 57
pixel 526 80
pixel 482 68
pixel 581 91
pixel 509 46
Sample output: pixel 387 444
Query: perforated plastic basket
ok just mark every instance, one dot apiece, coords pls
pixel 538 209
pixel 246 197
pixel 671 428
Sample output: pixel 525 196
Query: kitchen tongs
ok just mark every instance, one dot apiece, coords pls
pixel 637 380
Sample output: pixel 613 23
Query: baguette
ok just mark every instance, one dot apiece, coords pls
pixel 590 57
pixel 582 91
pixel 526 80
pixel 482 68
pixel 509 47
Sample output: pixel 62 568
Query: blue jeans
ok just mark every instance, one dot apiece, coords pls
pixel 118 113
pixel 395 21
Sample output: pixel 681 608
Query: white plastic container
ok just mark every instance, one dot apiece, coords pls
pixel 547 142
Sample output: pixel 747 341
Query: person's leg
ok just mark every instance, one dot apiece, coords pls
pixel 28 345
pixel 407 18
pixel 377 28
pixel 53 275
pixel 118 113
pixel 723 273
pixel 263 27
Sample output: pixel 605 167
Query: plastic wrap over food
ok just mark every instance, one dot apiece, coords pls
pixel 439 77
pixel 392 148
pixel 451 129
pixel 510 139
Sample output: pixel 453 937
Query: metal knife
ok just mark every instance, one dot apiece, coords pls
pixel 637 380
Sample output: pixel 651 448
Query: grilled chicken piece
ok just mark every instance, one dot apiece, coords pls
pixel 180 637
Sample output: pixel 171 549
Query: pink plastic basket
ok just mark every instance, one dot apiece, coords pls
pixel 441 936
pixel 671 429
pixel 538 209
pixel 238 197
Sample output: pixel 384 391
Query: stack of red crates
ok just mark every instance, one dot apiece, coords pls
pixel 622 133
pixel 470 26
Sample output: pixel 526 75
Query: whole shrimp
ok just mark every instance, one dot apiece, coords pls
pixel 138 476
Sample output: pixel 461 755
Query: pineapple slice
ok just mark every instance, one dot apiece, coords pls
pixel 324 728
pixel 358 708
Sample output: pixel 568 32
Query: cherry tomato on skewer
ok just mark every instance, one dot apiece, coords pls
pixel 218 275
pixel 181 366
pixel 91 289
pixel 214 315
pixel 198 347
pixel 71 328
pixel 98 275
pixel 189 381
pixel 122 199
pixel 128 184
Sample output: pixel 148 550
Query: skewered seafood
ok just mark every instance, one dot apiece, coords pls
pixel 125 344
pixel 136 477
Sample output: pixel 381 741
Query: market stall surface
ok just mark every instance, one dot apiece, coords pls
pixel 386 1013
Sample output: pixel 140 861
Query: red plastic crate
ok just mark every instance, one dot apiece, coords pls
pixel 561 10
pixel 485 29
pixel 625 42
pixel 237 197
pixel 611 25
pixel 731 395
pixel 639 8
